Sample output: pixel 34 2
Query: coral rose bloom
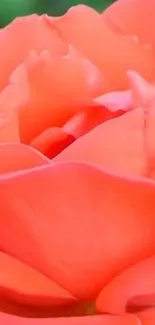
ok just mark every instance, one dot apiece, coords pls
pixel 77 164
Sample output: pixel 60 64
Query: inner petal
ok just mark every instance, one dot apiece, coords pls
pixel 124 144
pixel 117 145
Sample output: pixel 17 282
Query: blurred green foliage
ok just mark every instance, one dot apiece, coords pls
pixel 9 9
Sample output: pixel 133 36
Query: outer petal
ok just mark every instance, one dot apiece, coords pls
pixel 95 320
pixel 77 224
pixel 26 287
pixel 23 35
pixel 56 88
pixel 131 16
pixel 134 287
pixel 15 157
pixel 105 46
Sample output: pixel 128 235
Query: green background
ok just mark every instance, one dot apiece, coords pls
pixel 9 9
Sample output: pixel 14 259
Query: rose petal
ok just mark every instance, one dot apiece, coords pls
pixel 24 285
pixel 32 32
pixel 134 287
pixel 10 100
pixel 119 100
pixel 87 119
pixel 129 138
pixel 15 157
pixel 143 93
pixel 131 16
pixel 58 88
pixel 104 108
pixel 116 145
pixel 144 96
pixel 105 45
pixel 147 316
pixel 52 141
pixel 76 224
pixel 90 320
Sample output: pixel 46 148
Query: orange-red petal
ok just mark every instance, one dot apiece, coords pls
pixel 56 88
pixel 144 97
pixel 143 93
pixel 87 119
pixel 147 316
pixel 52 141
pixel 124 144
pixel 131 16
pixel 90 320
pixel 103 108
pixel 117 145
pixel 16 157
pixel 113 51
pixel 23 35
pixel 76 224
pixel 10 101
pixel 26 286
pixel 134 287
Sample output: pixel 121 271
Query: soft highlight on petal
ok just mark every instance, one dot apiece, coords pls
pixel 116 101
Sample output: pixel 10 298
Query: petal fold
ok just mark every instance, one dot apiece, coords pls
pixel 56 88
pixel 117 145
pixel 135 288
pixel 144 97
pixel 88 119
pixel 10 101
pixel 105 45
pixel 15 157
pixel 32 32
pixel 130 16
pixel 52 141
pixel 21 284
pixel 147 316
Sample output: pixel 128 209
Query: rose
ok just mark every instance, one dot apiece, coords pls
pixel 77 231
